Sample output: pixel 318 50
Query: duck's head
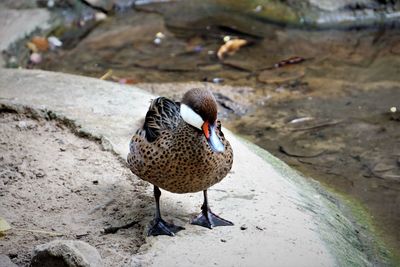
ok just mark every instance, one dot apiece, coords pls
pixel 199 109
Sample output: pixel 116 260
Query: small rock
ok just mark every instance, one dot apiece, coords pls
pixel 68 253
pixel 22 125
pixel 6 262
pixel 243 227
pixel 95 182
pixel 223 240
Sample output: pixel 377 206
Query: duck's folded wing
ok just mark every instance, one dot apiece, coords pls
pixel 163 114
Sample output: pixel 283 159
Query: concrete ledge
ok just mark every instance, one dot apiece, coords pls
pixel 280 220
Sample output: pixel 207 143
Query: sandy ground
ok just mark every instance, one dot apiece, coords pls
pixel 53 181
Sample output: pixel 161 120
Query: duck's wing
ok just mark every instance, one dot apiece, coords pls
pixel 163 114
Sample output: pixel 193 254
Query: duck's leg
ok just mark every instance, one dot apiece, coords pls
pixel 207 218
pixel 158 226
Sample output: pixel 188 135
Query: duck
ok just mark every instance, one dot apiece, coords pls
pixel 181 149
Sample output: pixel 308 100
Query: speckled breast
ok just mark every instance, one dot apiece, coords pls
pixel 180 161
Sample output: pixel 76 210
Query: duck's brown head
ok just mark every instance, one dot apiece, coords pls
pixel 199 109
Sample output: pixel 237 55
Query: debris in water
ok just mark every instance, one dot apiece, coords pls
pixel 54 42
pixel 41 43
pixel 50 3
pixel 127 81
pixel 289 61
pixel 294 150
pixel 318 126
pixel 217 80
pixel 394 114
pixel 303 119
pixel 31 46
pixel 159 37
pixel 99 16
pixel 227 38
pixel 35 58
pixel 258 8
pixel 106 75
pixel 157 41
pixel 279 76
pixel 230 47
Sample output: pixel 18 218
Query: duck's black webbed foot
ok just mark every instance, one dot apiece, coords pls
pixel 160 227
pixel 209 219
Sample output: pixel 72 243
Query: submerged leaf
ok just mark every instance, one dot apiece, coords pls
pixel 230 47
pixel 289 61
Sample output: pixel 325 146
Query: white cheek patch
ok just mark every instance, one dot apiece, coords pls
pixel 191 117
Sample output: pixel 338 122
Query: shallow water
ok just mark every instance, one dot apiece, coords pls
pixel 334 116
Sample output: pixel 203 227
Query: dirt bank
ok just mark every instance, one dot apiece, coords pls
pixel 53 181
